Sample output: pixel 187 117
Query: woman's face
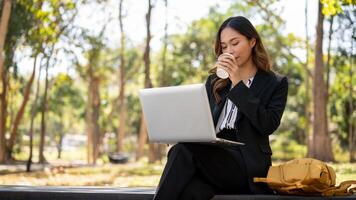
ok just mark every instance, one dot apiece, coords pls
pixel 236 44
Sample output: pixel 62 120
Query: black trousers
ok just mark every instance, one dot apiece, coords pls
pixel 196 171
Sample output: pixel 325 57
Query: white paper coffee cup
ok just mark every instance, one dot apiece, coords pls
pixel 221 73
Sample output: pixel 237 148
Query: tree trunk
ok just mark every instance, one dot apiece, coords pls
pixel 90 129
pixel 96 110
pixel 44 108
pixel 148 84
pixel 161 148
pixel 321 138
pixel 93 116
pixel 329 58
pixel 21 111
pixel 352 124
pixel 351 129
pixel 122 103
pixel 5 17
pixel 6 11
pixel 163 79
pixel 59 145
pixel 90 126
pixel 33 115
pixel 307 108
pixel 142 139
pixel 3 116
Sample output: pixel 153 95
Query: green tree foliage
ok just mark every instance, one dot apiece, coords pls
pixel 189 56
pixel 65 96
pixel 333 7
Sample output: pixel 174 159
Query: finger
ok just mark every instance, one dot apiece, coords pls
pixel 223 63
pixel 228 59
pixel 227 56
pixel 224 66
pixel 223 57
pixel 229 62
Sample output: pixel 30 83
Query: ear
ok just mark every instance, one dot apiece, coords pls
pixel 252 42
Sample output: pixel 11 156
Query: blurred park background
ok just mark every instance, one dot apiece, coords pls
pixel 71 70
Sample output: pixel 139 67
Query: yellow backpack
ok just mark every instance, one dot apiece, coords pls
pixel 306 176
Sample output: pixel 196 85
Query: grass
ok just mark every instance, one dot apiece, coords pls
pixel 139 174
pixel 136 174
pixel 133 174
pixel 50 154
pixel 344 171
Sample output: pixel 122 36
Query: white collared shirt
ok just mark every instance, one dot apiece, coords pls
pixel 228 115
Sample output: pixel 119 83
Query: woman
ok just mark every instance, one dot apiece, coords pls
pixel 246 107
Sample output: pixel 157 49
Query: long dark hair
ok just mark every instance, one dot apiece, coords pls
pixel 259 54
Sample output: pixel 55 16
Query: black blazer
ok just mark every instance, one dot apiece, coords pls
pixel 260 109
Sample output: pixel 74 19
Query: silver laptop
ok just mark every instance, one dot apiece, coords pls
pixel 179 114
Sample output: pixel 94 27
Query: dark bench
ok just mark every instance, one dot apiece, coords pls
pixel 112 193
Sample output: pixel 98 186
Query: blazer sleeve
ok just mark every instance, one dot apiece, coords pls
pixel 265 118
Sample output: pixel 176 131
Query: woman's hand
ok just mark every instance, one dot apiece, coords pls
pixel 230 65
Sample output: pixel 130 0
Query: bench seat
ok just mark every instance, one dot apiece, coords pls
pixel 12 192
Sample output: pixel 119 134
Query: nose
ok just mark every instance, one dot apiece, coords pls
pixel 229 49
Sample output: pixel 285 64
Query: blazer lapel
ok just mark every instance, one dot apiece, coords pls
pixel 218 107
pixel 258 83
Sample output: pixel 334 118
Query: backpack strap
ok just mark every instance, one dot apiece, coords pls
pixel 259 180
pixel 342 189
